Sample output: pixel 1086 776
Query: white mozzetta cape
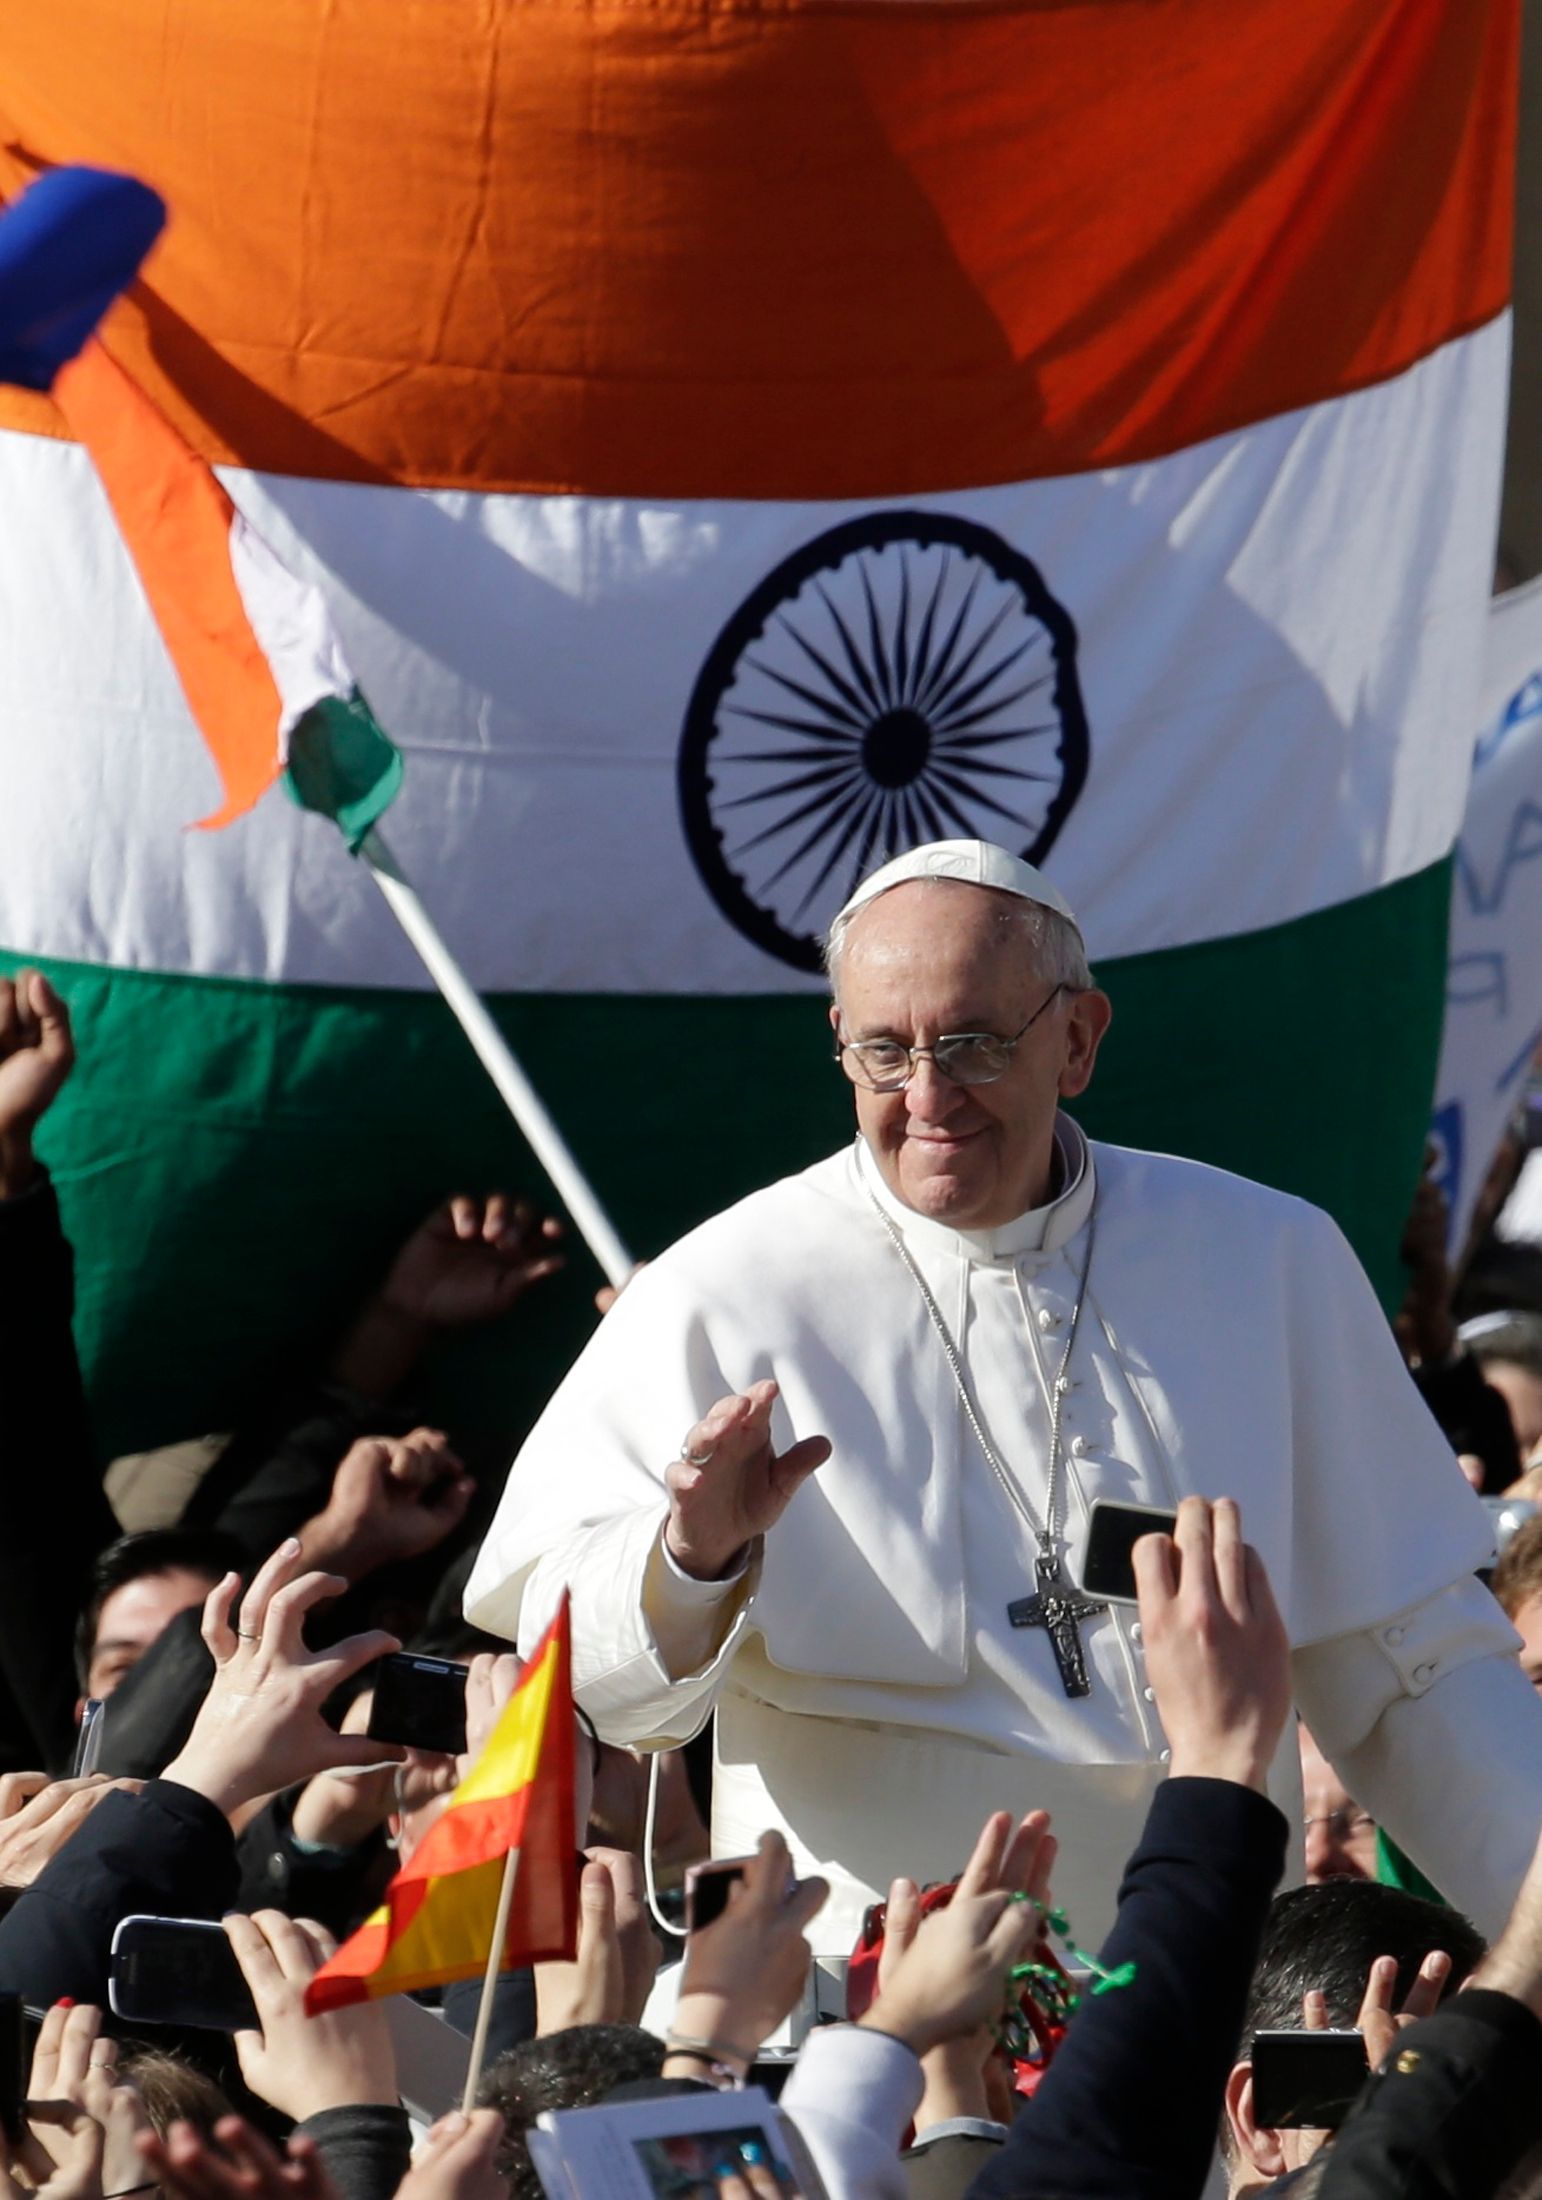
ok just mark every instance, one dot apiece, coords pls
pixel 1230 1345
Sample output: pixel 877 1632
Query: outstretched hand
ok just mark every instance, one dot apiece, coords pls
pixel 260 1727
pixel 1216 1647
pixel 74 2063
pixel 730 1485
pixel 1377 2020
pixel 470 1260
pixel 37 1053
pixel 943 1978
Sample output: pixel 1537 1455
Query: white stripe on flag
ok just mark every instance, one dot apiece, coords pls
pixel 293 625
pixel 1277 646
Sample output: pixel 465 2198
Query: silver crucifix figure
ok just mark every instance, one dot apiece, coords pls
pixel 1056 1607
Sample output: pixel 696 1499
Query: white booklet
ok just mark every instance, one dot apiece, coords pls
pixel 684 2146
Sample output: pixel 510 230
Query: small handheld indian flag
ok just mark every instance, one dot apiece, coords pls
pixel 252 642
pixel 258 658
pixel 439 1920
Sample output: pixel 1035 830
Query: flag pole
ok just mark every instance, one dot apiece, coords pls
pixel 524 1103
pixel 490 1981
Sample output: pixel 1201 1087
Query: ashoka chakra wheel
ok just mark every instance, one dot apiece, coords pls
pixel 905 677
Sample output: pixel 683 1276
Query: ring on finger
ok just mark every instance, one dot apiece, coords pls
pixel 694 1458
pixel 245 1634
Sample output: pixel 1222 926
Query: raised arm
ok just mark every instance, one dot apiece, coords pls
pixel 169 1850
pixel 665 1558
pixel 1131 2103
pixel 50 1469
pixel 1452 2110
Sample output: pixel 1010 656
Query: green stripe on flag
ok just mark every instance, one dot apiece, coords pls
pixel 237 1161
pixel 1304 1055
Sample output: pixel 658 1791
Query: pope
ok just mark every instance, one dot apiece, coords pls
pixel 828 1464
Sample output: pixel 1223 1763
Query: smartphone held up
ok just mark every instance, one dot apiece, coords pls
pixel 178 1970
pixel 1108 1559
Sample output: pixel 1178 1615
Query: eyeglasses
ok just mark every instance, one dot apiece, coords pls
pixel 1342 1823
pixel 964 1057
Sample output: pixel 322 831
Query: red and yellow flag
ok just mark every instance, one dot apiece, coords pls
pixel 437 1919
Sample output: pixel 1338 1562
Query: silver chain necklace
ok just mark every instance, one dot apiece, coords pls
pixel 1054 1605
pixel 1043 1535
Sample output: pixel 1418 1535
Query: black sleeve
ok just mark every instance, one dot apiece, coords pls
pixel 276 1473
pixel 166 1851
pixel 366 2150
pixel 1450 2113
pixel 1474 1417
pixel 337 1887
pixel 1128 2109
pixel 54 1514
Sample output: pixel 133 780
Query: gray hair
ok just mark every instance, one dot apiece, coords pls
pixel 1049 939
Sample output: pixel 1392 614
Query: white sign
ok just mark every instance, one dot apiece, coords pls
pixel 1494 974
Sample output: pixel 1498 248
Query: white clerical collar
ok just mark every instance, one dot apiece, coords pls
pixel 1041 1230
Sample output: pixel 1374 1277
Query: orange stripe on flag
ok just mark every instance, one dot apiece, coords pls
pixel 176 521
pixel 437 1919
pixel 731 249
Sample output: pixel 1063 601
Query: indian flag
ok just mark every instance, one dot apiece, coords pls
pixel 734 441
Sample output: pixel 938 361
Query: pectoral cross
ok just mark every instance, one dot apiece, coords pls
pixel 1057 1608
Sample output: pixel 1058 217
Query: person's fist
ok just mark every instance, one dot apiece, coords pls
pixel 393 1498
pixel 37 1054
pixel 729 1484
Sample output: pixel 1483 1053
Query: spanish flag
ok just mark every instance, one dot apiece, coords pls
pixel 437 1919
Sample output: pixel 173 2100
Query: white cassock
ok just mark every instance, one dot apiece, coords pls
pixel 872 1698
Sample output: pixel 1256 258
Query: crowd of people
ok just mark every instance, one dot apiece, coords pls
pixel 1007 2000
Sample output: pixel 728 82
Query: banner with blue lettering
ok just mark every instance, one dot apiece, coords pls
pixel 1494 975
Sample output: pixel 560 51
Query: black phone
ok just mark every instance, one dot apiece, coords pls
pixel 15 2060
pixel 88 1739
pixel 421 1703
pixel 1307 2078
pixel 1108 1567
pixel 178 1970
pixel 706 1889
